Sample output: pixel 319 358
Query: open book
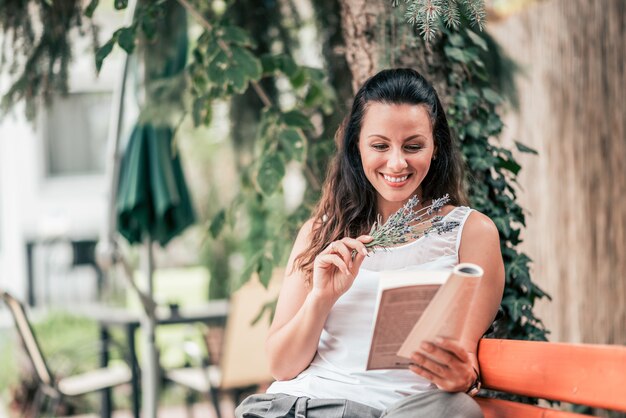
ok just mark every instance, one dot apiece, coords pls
pixel 415 306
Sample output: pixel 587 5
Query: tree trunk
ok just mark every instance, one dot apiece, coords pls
pixel 360 21
pixel 572 111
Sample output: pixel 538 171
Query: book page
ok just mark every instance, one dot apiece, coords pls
pixel 414 306
pixel 399 310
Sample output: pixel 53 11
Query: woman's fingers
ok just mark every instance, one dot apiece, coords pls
pixel 327 260
pixel 452 347
pixel 430 366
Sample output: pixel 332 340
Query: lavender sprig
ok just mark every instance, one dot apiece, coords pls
pixel 410 224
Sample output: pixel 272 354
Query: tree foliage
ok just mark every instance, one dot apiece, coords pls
pixel 239 61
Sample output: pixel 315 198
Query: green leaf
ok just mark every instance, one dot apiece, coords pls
pixel 126 38
pixel 455 54
pixel 477 40
pixel 236 35
pixel 314 96
pixel 103 52
pixel 287 65
pixel 266 266
pixel 270 174
pixel 251 267
pixel 269 63
pixel 293 143
pixel 473 129
pixel 296 119
pixel 503 226
pixel 91 8
pixel 217 223
pixel 217 69
pixel 456 40
pixel 250 65
pixel 509 165
pixel 516 306
pixel 523 148
pixel 238 79
pixel 149 27
pixel 298 78
pixel 491 96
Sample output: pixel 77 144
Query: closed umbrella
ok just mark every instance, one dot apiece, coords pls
pixel 153 203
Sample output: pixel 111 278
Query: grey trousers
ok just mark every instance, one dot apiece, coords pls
pixel 432 404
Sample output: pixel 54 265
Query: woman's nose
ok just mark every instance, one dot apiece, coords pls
pixel 397 162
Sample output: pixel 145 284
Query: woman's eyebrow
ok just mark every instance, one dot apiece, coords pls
pixel 404 140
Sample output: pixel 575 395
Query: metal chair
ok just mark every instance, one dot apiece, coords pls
pixel 242 364
pixel 49 387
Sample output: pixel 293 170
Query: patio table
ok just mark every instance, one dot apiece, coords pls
pixel 213 313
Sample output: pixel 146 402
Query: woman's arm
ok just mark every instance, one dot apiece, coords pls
pixel 454 369
pixel 301 312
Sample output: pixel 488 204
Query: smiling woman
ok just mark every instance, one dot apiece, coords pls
pixel 394 145
pixel 396 164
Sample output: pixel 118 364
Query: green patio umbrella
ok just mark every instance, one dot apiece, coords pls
pixel 152 201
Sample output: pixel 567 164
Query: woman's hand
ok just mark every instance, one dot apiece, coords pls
pixel 335 268
pixel 447 365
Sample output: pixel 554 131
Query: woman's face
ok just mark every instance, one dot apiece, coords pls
pixel 396 145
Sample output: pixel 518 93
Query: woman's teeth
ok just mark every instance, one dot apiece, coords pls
pixel 395 179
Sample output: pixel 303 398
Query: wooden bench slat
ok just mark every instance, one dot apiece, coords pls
pixel 587 374
pixel 498 408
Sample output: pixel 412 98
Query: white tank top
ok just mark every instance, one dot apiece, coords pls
pixel 338 369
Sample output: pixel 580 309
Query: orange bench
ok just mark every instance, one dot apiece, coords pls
pixel 585 374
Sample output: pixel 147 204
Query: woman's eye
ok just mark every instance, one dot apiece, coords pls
pixel 379 147
pixel 413 147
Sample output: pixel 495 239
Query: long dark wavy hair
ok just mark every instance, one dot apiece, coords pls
pixel 347 207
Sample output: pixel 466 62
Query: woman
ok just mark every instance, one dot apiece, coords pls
pixel 394 144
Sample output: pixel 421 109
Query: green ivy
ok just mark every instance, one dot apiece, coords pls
pixel 493 170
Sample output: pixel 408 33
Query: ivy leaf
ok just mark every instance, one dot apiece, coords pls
pixel 217 223
pixel 104 52
pixel 296 119
pixel 455 54
pixel 250 65
pixel 523 148
pixel 217 69
pixel 456 40
pixel 477 40
pixel 473 129
pixel 266 266
pixel 518 268
pixel 236 35
pixel 509 165
pixel 270 174
pixel 491 96
pixel 298 78
pixel 516 306
pixel 126 39
pixel 91 8
pixel 238 79
pixel 269 64
pixel 294 144
pixel 251 267
pixel 287 65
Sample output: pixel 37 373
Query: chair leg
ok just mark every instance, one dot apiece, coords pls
pixel 35 408
pixel 215 399
pixel 54 405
